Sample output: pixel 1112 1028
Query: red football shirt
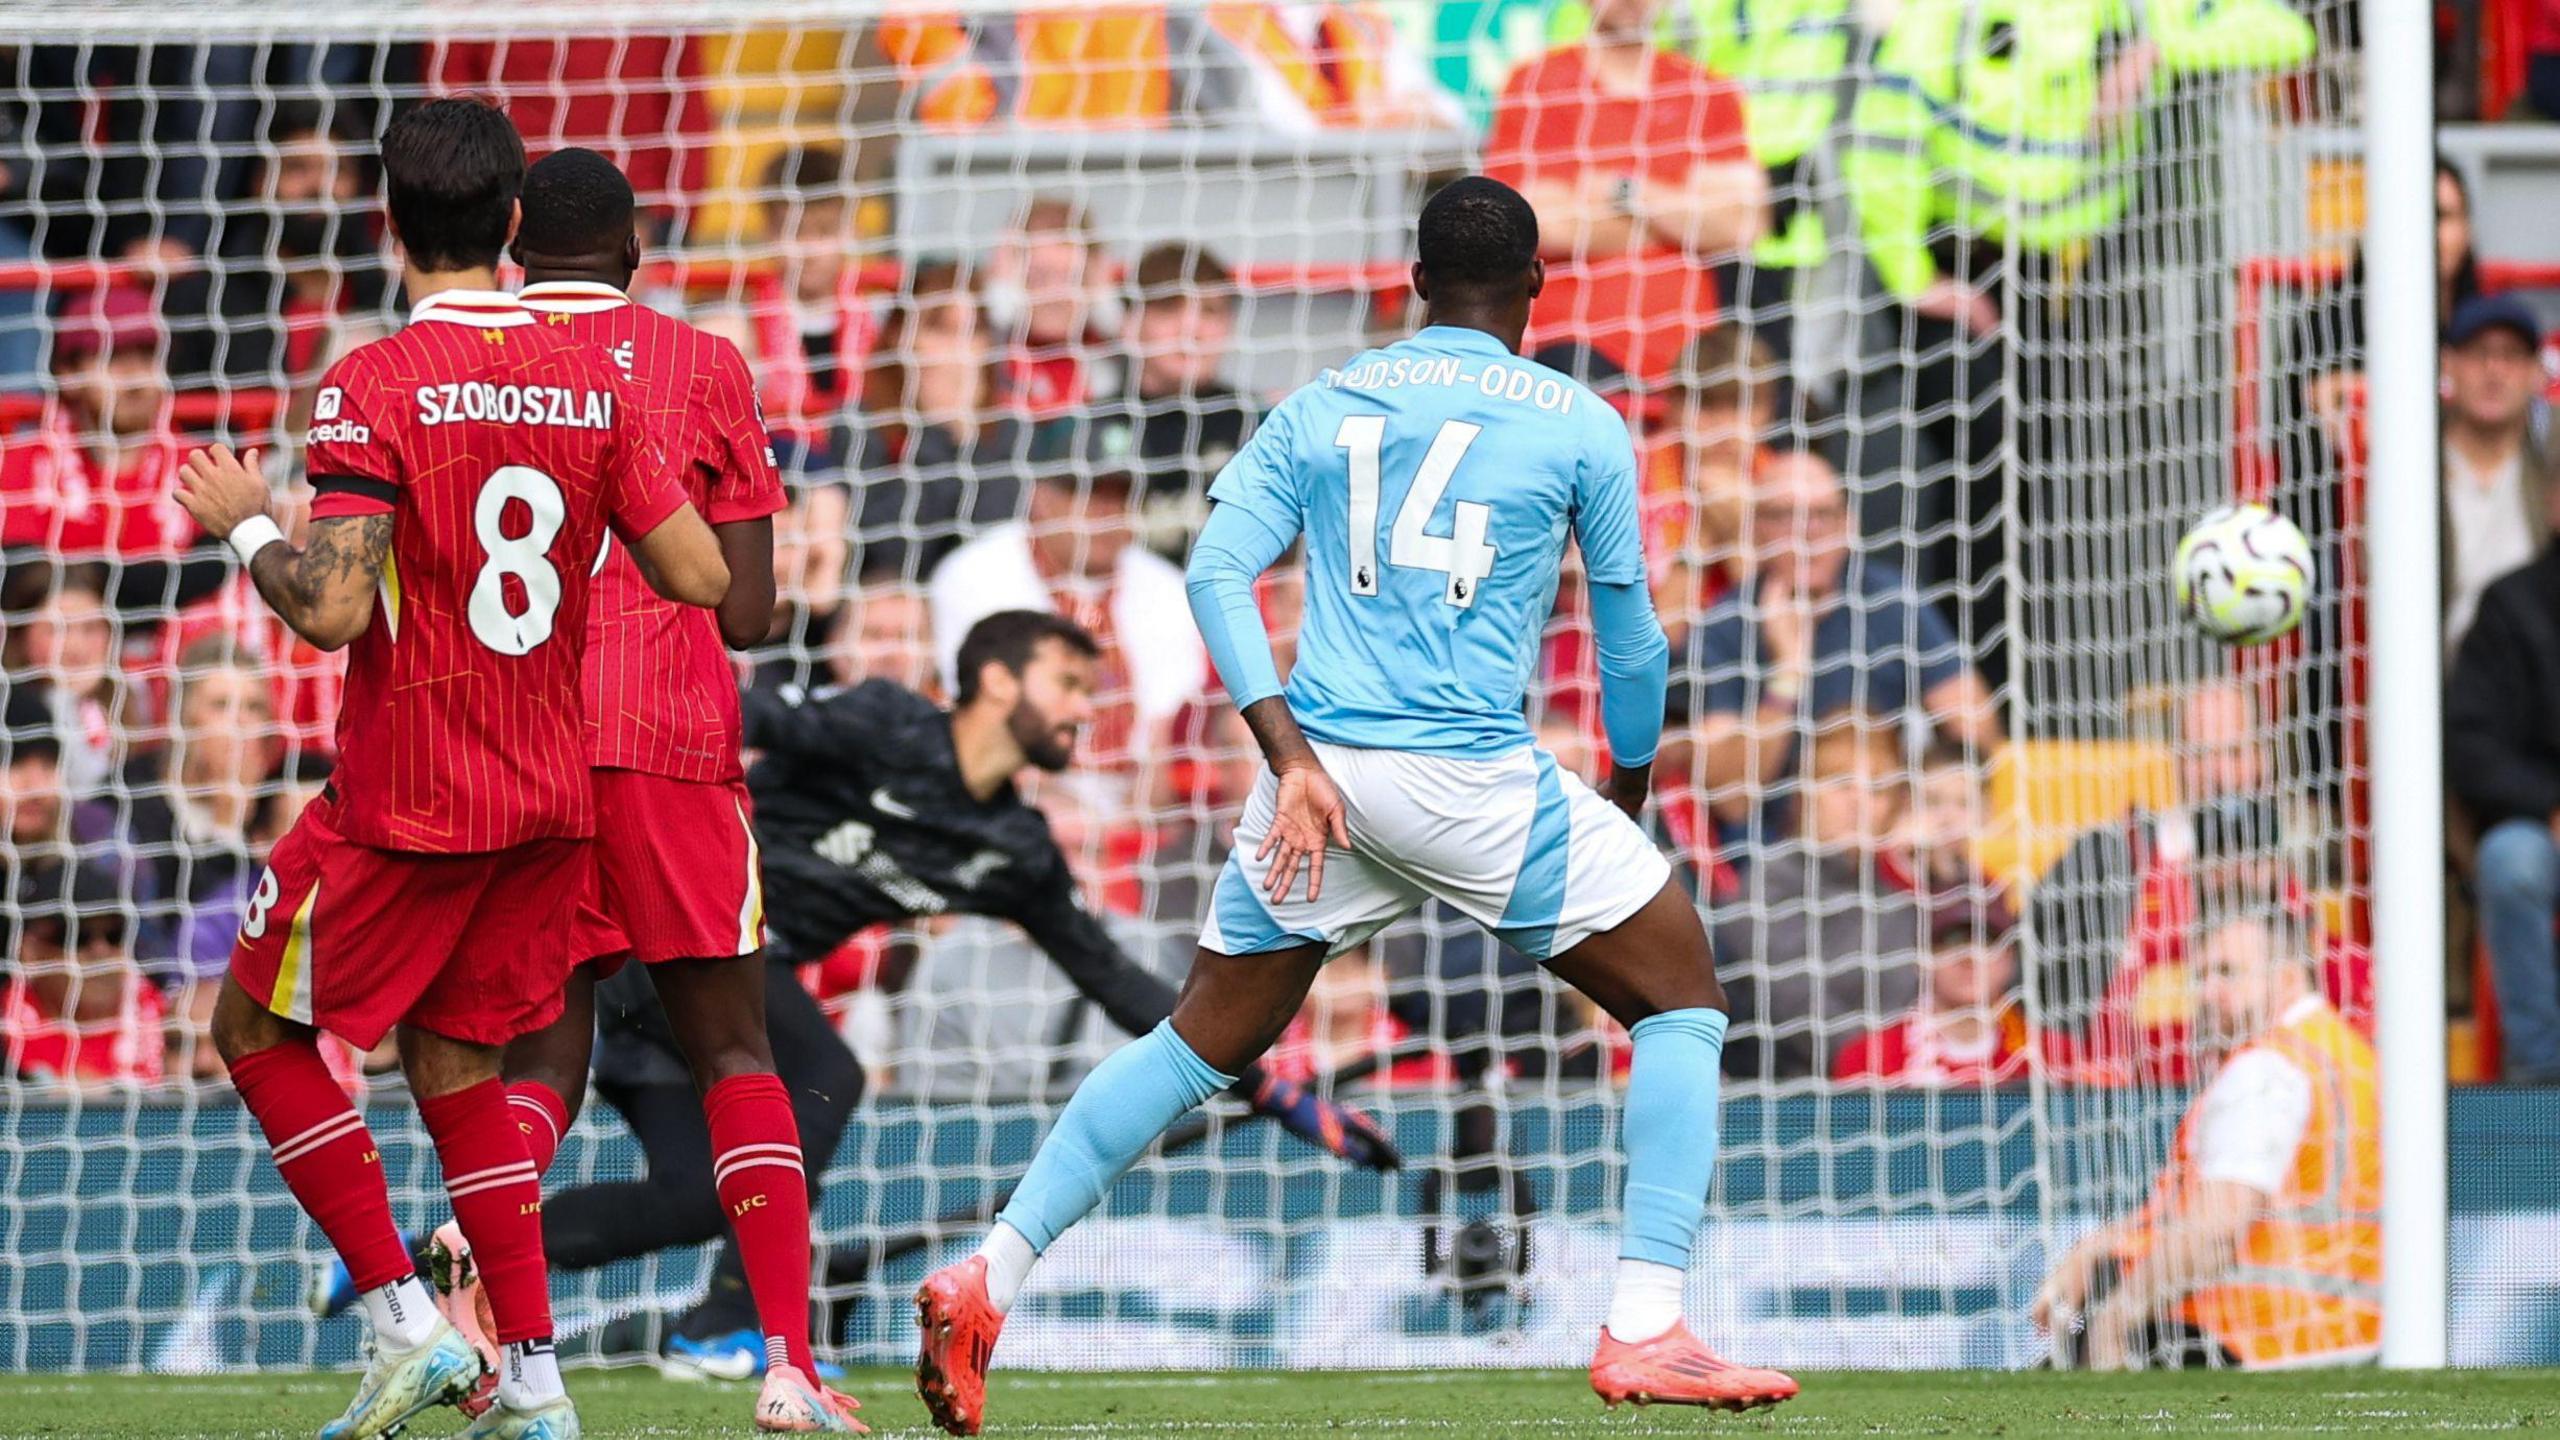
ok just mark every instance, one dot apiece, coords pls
pixel 1554 123
pixel 503 447
pixel 52 495
pixel 661 695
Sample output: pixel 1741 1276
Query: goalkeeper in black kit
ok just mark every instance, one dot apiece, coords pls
pixel 875 804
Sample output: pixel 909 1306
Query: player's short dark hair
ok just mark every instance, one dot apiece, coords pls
pixel 575 203
pixel 1476 233
pixel 454 168
pixel 1010 638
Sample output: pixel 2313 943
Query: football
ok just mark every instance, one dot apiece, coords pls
pixel 2244 574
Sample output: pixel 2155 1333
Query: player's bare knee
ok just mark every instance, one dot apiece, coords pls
pixel 242 1027
pixel 441 1065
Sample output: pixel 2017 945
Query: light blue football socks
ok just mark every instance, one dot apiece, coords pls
pixel 1117 1112
pixel 1672 1113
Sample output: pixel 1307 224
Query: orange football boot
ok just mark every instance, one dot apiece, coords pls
pixel 960 1326
pixel 1672 1368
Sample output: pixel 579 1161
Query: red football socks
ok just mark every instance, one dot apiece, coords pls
pixel 755 1166
pixel 541 1116
pixel 326 1156
pixel 497 1197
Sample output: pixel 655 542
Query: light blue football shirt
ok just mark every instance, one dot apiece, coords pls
pixel 1436 481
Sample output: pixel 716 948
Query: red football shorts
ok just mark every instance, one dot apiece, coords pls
pixel 675 873
pixel 356 940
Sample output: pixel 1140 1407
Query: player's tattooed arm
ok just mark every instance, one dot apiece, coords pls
pixel 325 590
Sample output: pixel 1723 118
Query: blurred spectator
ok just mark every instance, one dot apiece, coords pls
pixel 1076 555
pixel 934 460
pixel 77 1010
pixel 1794 59
pixel 1828 941
pixel 2502 748
pixel 36 806
pixel 69 650
pixel 2328 349
pixel 201 816
pixel 890 637
pixel 2261 1242
pixel 1821 631
pixel 810 561
pixel 1968 1028
pixel 95 476
pixel 1182 330
pixel 122 140
pixel 1948 817
pixel 1045 292
pixel 1641 173
pixel 809 218
pixel 1993 160
pixel 2115 914
pixel 1345 1021
pixel 1697 476
pixel 306 683
pixel 2498 475
pixel 300 277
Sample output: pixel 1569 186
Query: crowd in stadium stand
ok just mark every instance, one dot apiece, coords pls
pixel 1035 424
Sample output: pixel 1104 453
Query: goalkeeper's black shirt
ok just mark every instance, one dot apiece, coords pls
pixel 863 817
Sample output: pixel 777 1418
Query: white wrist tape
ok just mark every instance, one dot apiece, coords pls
pixel 253 535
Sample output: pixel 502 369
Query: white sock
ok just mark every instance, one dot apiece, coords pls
pixel 1647 1300
pixel 403 1313
pixel 529 1375
pixel 1009 1258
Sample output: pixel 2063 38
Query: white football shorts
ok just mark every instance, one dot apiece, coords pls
pixel 1516 844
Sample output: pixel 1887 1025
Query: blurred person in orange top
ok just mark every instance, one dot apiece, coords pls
pixel 78 1009
pixel 1636 161
pixel 2117 911
pixel 1968 1027
pixel 2261 1244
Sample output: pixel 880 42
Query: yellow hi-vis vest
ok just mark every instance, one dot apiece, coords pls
pixel 1791 58
pixel 2307 1288
pixel 1981 114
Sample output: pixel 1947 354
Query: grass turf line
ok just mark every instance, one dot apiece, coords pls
pixel 1249 1405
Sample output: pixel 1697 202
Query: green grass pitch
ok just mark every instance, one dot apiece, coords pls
pixel 1472 1403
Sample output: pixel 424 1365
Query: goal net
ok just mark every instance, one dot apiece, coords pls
pixel 1937 324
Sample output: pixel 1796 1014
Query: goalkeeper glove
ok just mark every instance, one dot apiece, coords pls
pixel 1320 1122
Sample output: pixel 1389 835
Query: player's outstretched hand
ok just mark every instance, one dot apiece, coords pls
pixel 221 489
pixel 1306 816
pixel 1320 1122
